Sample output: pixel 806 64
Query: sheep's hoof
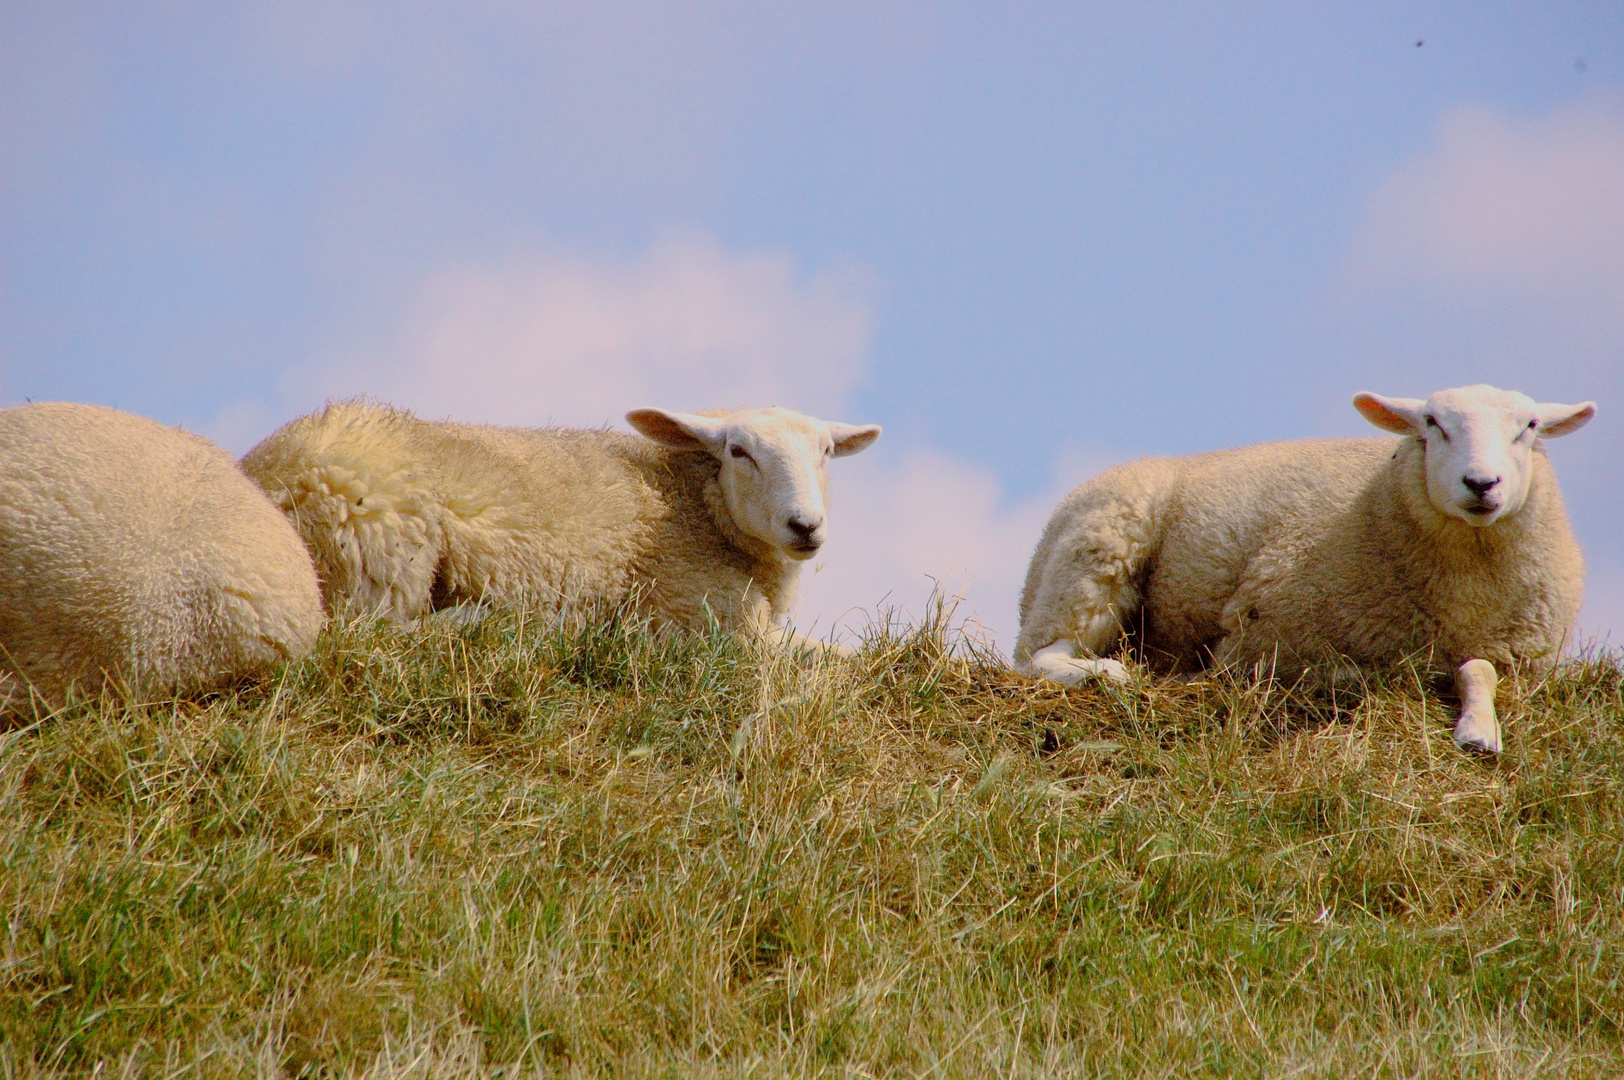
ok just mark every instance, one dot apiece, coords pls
pixel 1478 735
pixel 1071 670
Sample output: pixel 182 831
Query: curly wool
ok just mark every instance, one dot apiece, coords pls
pixel 140 554
pixel 405 516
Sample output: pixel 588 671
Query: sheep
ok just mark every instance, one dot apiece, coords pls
pixel 137 554
pixel 708 516
pixel 1450 543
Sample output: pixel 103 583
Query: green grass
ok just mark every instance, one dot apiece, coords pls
pixel 574 849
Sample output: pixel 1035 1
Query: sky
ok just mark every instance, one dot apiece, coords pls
pixel 1031 240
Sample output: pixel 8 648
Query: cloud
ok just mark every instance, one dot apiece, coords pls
pixel 903 527
pixel 1502 205
pixel 900 529
pixel 555 338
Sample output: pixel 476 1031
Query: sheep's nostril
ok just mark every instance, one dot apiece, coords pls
pixel 1479 487
pixel 802 528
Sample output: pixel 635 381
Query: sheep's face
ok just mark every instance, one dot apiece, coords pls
pixel 1479 443
pixel 773 467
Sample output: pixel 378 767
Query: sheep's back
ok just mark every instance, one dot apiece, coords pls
pixel 558 515
pixel 609 512
pixel 139 552
pixel 405 515
pixel 1226 508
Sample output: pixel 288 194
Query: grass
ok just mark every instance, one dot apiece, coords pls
pixel 581 848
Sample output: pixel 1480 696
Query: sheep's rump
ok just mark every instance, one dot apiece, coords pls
pixel 139 553
pixel 405 516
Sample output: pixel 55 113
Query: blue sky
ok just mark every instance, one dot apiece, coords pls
pixel 1031 240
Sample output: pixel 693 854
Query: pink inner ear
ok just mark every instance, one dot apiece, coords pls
pixel 852 438
pixel 663 429
pixel 1379 413
pixel 1563 425
pixel 855 440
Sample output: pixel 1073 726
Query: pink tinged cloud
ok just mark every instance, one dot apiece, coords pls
pixel 929 524
pixel 562 339
pixel 903 529
pixel 1523 205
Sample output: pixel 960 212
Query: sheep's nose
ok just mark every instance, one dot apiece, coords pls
pixel 1479 487
pixel 803 528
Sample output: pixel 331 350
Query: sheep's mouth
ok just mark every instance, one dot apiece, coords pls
pixel 1481 508
pixel 805 549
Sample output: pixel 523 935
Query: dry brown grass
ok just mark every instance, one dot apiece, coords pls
pixel 517 848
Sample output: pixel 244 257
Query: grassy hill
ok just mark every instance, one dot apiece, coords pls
pixel 518 848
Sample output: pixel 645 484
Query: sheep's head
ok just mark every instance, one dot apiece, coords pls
pixel 1479 442
pixel 773 466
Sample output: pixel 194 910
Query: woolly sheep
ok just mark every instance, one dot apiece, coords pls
pixel 1451 542
pixel 710 512
pixel 138 553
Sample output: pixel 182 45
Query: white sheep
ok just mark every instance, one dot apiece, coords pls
pixel 140 554
pixel 1450 543
pixel 710 513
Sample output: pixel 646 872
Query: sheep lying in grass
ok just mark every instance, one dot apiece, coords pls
pixel 1451 543
pixel 709 513
pixel 139 553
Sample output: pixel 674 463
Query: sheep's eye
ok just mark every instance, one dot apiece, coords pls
pixel 1432 422
pixel 738 451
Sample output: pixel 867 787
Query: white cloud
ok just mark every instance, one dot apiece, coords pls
pixel 1506 204
pixel 903 527
pixel 558 338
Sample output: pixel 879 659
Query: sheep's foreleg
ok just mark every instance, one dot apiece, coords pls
pixel 1061 663
pixel 1477 728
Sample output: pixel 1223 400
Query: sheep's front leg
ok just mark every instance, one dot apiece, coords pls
pixel 1061 663
pixel 1091 624
pixel 1477 728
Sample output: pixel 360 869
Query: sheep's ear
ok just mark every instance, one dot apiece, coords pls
pixel 1397 414
pixel 680 431
pixel 852 438
pixel 1555 420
